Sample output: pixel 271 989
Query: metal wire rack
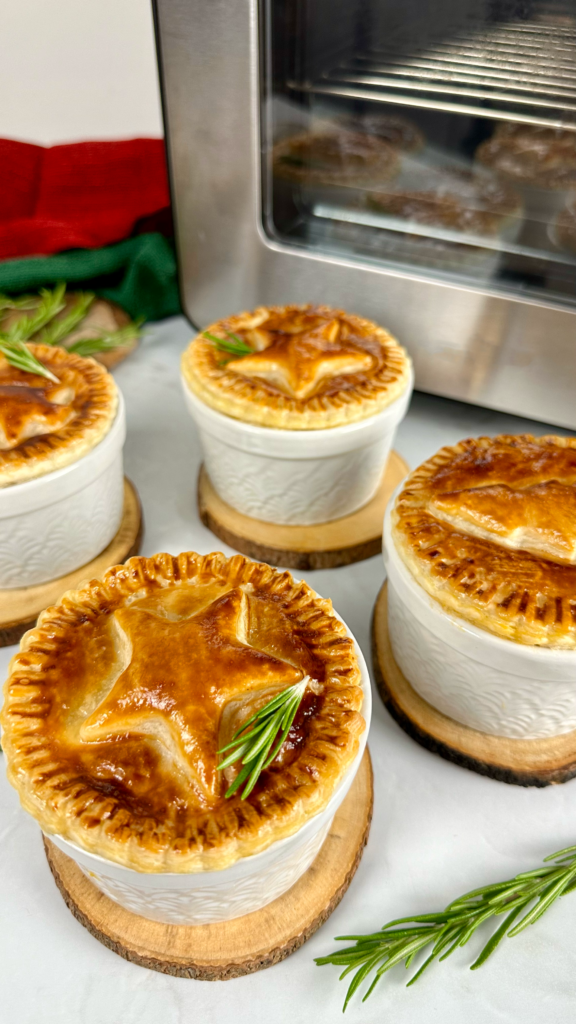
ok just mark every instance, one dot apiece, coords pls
pixel 515 70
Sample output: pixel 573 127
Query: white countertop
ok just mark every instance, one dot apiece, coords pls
pixel 438 830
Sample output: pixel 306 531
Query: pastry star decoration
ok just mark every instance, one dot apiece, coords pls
pixel 540 519
pixel 27 412
pixel 297 364
pixel 181 675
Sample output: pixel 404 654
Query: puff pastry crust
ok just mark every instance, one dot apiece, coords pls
pixel 544 157
pixel 312 367
pixel 461 202
pixel 335 157
pixel 45 426
pixel 488 529
pixel 120 698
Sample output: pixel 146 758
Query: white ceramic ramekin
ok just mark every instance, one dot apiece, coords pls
pixel 56 523
pixel 296 477
pixel 248 885
pixel 477 678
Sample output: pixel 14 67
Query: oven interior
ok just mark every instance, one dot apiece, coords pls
pixel 438 138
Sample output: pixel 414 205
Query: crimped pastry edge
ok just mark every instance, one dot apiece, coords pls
pixel 317 413
pixel 55 451
pixel 384 165
pixel 56 814
pixel 491 617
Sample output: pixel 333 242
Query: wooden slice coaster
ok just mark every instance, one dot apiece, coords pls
pixel 520 762
pixel 216 952
pixel 19 609
pixel 323 546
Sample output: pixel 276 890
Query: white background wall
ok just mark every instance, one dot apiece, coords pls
pixel 78 69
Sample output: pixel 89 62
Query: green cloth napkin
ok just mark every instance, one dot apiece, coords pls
pixel 139 274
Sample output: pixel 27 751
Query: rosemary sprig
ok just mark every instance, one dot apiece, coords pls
pixel 12 341
pixel 106 340
pixel 402 939
pixel 259 740
pixel 235 346
pixel 57 330
pixel 19 355
pixel 51 303
pixel 42 326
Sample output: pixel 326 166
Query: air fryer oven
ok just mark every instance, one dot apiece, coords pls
pixel 411 161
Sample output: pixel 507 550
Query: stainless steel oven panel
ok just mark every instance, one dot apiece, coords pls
pixel 467 343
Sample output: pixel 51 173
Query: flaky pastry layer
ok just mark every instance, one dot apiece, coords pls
pixel 119 700
pixel 45 426
pixel 461 202
pixel 488 528
pixel 312 368
pixel 335 157
pixel 529 154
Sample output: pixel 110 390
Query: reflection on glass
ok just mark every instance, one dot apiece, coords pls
pixel 435 137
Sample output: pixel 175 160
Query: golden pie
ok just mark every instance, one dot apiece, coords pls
pixel 460 202
pixel 120 699
pixel 46 425
pixel 488 529
pixel 310 367
pixel 335 157
pixel 544 157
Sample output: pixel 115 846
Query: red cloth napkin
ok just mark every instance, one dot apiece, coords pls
pixel 79 196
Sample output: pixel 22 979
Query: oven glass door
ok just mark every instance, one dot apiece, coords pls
pixel 437 136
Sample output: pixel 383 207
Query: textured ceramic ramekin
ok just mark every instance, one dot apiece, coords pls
pixel 475 677
pixel 56 523
pixel 248 885
pixel 296 477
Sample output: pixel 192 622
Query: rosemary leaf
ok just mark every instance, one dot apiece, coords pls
pixel 444 939
pixel 235 346
pixel 258 741
pixel 107 340
pixel 43 326
pixel 455 944
pixel 57 330
pixel 19 355
pixel 22 302
pixel 400 940
pixel 562 854
pixel 496 939
pixel 51 303
pixel 547 898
